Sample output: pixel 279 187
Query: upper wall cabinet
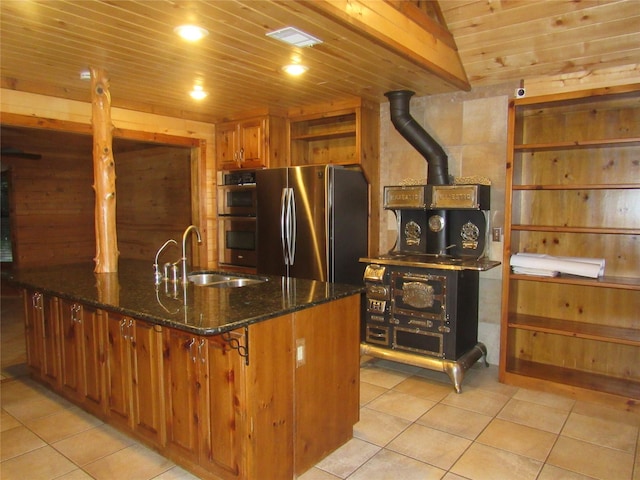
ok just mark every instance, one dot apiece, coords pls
pixel 257 142
pixel 573 190
pixel 344 133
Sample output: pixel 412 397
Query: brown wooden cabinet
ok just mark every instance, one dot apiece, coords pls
pixel 250 143
pixel 204 385
pixel 573 189
pixel 42 336
pixel 265 393
pixel 343 133
pixel 81 354
pixel 183 384
pixel 33 326
pixel 134 379
pixel 266 401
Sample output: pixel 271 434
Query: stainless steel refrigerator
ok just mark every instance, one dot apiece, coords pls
pixel 312 222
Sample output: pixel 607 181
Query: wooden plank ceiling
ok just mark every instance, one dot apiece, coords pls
pixel 367 49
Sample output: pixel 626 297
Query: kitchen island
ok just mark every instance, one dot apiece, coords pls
pixel 260 381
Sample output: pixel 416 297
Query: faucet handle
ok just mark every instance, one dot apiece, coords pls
pixel 175 272
pixel 157 276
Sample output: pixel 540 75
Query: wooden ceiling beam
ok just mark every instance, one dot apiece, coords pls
pixel 422 43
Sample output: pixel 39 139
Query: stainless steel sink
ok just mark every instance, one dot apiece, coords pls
pixel 216 280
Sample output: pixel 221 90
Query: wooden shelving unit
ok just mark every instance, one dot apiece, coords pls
pixel 330 138
pixel 573 189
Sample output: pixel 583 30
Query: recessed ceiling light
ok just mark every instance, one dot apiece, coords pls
pixel 295 69
pixel 293 36
pixel 191 33
pixel 198 93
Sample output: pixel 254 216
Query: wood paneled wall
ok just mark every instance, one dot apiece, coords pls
pixel 52 208
pixel 52 201
pixel 154 200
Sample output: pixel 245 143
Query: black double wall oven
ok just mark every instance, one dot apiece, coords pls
pixel 237 208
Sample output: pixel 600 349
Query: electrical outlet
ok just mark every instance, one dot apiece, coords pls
pixel 300 352
pixel 496 234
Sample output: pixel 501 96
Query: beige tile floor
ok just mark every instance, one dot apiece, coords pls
pixel 412 426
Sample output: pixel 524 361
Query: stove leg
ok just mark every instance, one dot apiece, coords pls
pixel 483 349
pixel 457 369
pixel 455 372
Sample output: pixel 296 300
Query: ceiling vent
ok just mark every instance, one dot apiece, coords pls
pixel 293 36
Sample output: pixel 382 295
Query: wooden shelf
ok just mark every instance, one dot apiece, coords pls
pixel 603 186
pixel 622 387
pixel 583 230
pixel 351 132
pixel 621 283
pixel 608 142
pixel 599 331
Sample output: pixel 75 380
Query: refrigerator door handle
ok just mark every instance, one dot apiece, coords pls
pixel 283 224
pixel 292 226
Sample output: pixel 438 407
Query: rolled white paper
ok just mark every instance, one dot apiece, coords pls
pixel 584 267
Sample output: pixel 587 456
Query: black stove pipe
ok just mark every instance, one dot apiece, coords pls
pixel 437 162
pixel 437 166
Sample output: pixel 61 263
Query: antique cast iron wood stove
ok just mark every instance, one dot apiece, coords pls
pixel 422 296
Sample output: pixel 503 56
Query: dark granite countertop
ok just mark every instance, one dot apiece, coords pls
pixel 198 309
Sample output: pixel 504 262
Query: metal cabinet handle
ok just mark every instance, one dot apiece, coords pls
pixel 75 310
pixel 36 300
pixel 200 352
pixel 128 324
pixel 190 346
pixel 130 328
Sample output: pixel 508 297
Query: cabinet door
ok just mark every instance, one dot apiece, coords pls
pixel 92 359
pixel 50 344
pixel 227 146
pixel 118 373
pixel 70 314
pixel 182 389
pixel 33 327
pixel 146 380
pixel 222 369
pixel 252 143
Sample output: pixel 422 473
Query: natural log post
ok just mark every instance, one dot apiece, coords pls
pixel 108 286
pixel 104 174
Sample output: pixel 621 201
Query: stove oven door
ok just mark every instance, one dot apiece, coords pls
pixel 418 313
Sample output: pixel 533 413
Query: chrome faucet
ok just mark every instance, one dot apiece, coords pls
pixel 156 268
pixel 184 249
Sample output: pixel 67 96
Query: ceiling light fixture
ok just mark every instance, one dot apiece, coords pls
pixel 295 69
pixel 294 36
pixel 198 92
pixel 191 33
